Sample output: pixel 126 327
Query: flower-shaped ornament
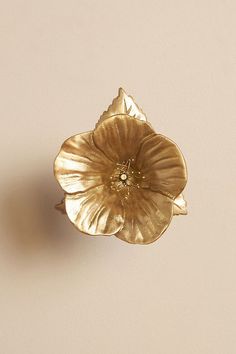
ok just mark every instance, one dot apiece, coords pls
pixel 122 178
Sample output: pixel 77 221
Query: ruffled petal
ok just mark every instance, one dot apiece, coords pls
pixel 119 137
pixel 147 216
pixel 163 165
pixel 80 165
pixel 97 211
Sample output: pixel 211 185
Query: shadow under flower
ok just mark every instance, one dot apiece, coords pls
pixel 32 225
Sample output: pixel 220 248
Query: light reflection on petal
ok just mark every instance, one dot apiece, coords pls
pixel 97 211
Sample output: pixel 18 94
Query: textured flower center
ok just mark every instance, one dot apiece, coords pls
pixel 125 177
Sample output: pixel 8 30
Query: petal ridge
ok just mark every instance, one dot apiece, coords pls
pixel 80 165
pixel 97 211
pixel 163 164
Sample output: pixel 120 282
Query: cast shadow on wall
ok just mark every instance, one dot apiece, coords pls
pixel 31 223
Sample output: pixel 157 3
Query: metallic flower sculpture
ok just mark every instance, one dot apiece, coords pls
pixel 122 178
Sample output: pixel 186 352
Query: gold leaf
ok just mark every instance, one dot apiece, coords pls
pixel 123 104
pixel 180 206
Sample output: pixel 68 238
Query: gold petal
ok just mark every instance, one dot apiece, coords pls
pixel 97 211
pixel 180 206
pixel 80 165
pixel 163 165
pixel 123 104
pixel 119 137
pixel 147 216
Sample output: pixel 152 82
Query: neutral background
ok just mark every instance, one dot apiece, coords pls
pixel 61 64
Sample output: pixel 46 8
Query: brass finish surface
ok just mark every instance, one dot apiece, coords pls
pixel 122 178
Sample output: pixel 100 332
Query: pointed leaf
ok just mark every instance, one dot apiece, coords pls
pixel 180 206
pixel 123 104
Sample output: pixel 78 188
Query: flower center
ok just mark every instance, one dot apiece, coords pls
pixel 125 177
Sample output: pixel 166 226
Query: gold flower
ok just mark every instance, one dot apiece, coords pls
pixel 122 178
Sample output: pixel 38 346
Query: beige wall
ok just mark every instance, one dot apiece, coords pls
pixel 61 64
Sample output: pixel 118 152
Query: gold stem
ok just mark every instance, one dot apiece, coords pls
pixel 61 206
